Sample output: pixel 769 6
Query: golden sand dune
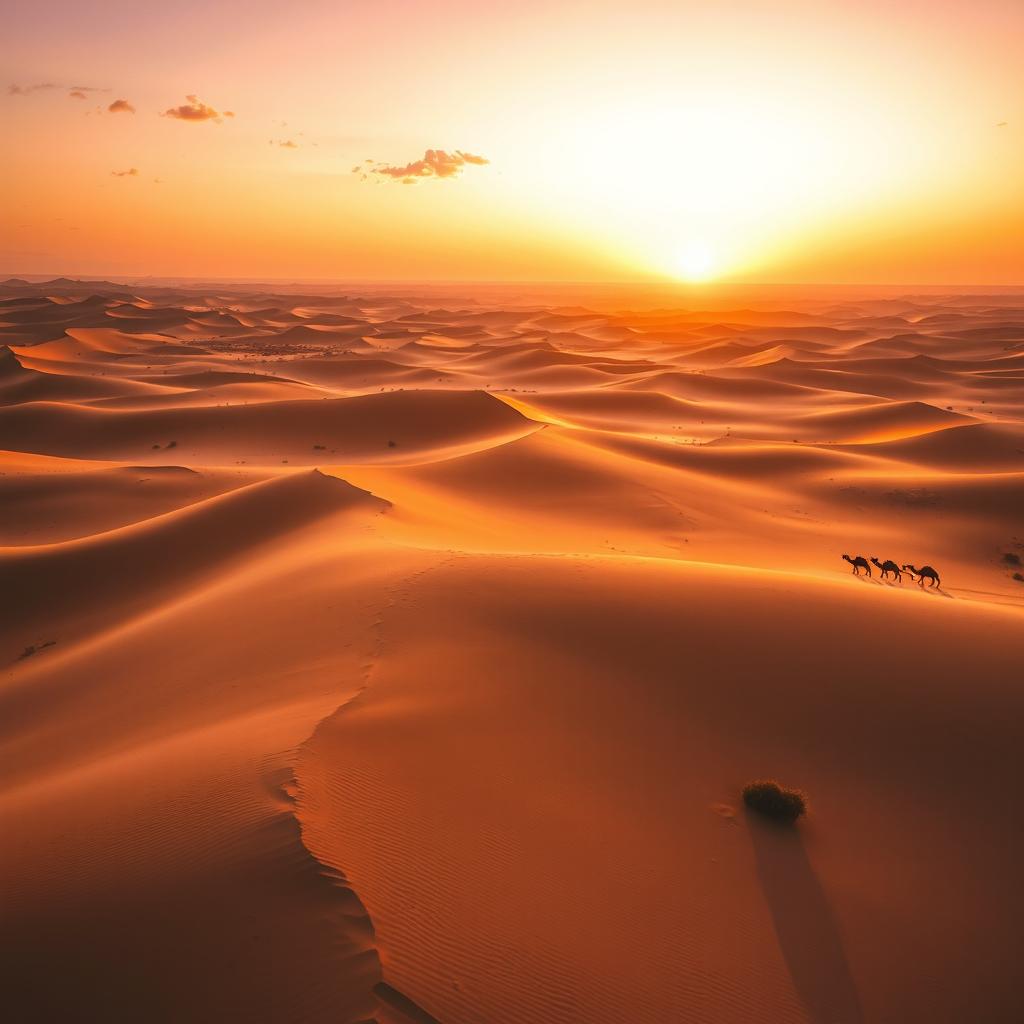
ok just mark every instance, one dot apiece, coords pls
pixel 43 504
pixel 541 836
pixel 361 428
pixel 400 655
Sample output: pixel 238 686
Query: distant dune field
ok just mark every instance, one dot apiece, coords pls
pixel 400 655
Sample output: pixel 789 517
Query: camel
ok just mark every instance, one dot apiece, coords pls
pixel 858 563
pixel 925 572
pixel 889 566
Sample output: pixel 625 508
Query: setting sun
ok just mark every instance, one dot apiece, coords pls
pixel 695 262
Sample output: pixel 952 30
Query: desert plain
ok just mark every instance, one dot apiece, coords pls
pixel 399 654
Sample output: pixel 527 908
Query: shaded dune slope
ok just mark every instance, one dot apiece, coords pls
pixel 142 563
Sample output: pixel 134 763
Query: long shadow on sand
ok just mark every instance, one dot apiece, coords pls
pixel 805 925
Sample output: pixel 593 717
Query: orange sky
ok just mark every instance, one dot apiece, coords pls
pixel 874 142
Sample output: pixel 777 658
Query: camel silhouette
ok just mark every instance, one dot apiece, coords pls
pixel 888 566
pixel 925 572
pixel 858 563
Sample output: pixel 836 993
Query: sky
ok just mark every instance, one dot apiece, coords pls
pixel 876 142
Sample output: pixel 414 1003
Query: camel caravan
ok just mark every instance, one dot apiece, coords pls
pixel 890 568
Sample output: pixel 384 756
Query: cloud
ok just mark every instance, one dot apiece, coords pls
pixel 195 110
pixel 25 90
pixel 288 144
pixel 121 107
pixel 436 163
pixel 132 172
pixel 77 92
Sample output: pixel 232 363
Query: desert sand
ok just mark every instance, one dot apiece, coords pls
pixel 400 654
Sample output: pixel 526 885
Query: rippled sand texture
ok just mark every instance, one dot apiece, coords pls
pixel 399 655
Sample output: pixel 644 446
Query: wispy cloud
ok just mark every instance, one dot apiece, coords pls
pixel 435 163
pixel 121 107
pixel 77 92
pixel 196 111
pixel 26 90
pixel 132 172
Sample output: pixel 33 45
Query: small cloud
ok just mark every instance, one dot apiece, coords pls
pixel 288 144
pixel 132 172
pixel 193 110
pixel 436 163
pixel 121 107
pixel 229 113
pixel 1001 124
pixel 77 92
pixel 25 90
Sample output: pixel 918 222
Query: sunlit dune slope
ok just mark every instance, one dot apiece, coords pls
pixel 537 796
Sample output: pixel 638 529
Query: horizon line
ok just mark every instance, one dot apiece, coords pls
pixel 117 278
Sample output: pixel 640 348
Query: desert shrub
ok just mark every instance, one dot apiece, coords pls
pixel 35 649
pixel 773 801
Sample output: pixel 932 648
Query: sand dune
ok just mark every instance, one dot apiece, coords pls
pixel 360 428
pixel 888 422
pixel 20 382
pixel 976 447
pixel 398 654
pixel 519 828
pixel 68 502
pixel 178 550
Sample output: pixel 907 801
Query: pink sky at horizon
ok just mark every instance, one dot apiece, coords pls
pixel 825 142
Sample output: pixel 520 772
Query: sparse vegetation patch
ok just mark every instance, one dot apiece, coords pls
pixel 774 801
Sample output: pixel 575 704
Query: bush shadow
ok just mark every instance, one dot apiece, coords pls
pixel 806 927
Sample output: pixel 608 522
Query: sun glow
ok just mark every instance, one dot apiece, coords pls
pixel 681 191
pixel 727 179
pixel 695 262
pixel 758 130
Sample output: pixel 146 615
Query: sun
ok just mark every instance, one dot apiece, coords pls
pixel 695 262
